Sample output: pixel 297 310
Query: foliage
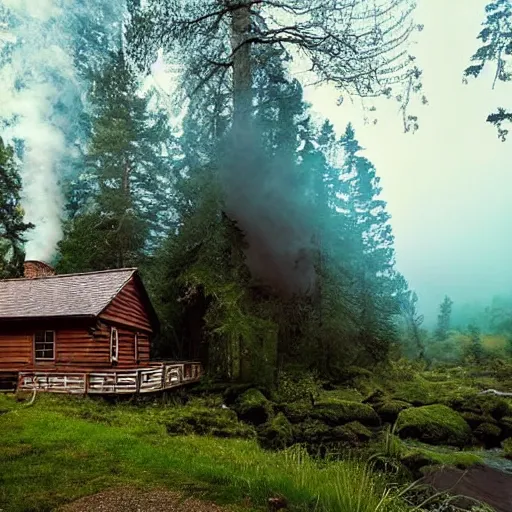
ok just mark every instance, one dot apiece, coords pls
pixel 496 48
pixel 42 443
pixel 507 448
pixel 434 424
pixel 12 227
pixel 443 319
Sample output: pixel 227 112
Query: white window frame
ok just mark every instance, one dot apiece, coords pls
pixel 114 342
pixel 38 359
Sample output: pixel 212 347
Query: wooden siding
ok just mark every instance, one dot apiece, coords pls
pixel 128 309
pixel 15 350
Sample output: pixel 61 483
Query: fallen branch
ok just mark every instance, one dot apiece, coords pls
pixel 494 392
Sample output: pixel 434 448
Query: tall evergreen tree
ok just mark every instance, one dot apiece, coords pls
pixel 125 206
pixel 379 285
pixel 12 227
pixel 443 319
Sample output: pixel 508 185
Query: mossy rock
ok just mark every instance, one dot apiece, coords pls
pixel 505 424
pixel 375 397
pixel 232 393
pixel 489 434
pixel 312 432
pixel 339 412
pixel 474 419
pixel 353 433
pixel 507 448
pixel 253 407
pixel 491 405
pixel 434 424
pixel 297 412
pixel 277 434
pixel 390 409
pixel 206 421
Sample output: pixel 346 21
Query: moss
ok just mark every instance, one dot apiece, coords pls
pixel 297 412
pixel 352 433
pixel 253 407
pixel 474 420
pixel 390 409
pixel 434 424
pixel 205 421
pixel 418 457
pixel 507 448
pixel 277 434
pixel 312 432
pixel 506 425
pixel 490 405
pixel 339 412
pixel 489 434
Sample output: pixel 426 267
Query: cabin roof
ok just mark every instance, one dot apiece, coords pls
pixel 64 295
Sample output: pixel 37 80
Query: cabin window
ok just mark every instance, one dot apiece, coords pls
pixel 114 345
pixel 136 347
pixel 44 345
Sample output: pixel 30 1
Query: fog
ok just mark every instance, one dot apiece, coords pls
pixel 449 185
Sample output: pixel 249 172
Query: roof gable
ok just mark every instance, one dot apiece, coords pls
pixel 66 295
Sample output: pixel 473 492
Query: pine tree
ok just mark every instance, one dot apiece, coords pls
pixel 443 319
pixel 125 206
pixel 12 227
pixel 379 285
pixel 496 37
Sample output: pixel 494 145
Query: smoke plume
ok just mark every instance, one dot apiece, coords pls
pixel 36 72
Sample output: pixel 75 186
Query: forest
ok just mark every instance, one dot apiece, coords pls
pixel 268 251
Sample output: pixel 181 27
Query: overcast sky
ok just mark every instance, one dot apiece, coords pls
pixel 448 186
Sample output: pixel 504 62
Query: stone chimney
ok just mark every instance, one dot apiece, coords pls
pixel 34 269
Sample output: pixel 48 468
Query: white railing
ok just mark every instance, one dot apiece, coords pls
pixel 142 380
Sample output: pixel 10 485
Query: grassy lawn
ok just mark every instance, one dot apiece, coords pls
pixel 63 448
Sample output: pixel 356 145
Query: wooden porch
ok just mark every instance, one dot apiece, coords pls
pixel 158 376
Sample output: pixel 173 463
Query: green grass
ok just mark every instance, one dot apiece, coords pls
pixel 60 449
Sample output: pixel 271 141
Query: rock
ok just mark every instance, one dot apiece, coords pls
pixel 352 433
pixel 252 407
pixel 339 412
pixel 390 409
pixel 489 434
pixel 474 419
pixel 297 412
pixel 312 432
pixel 375 397
pixel 434 424
pixel 485 405
pixel 277 434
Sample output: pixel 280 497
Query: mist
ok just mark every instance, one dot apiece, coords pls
pixel 44 61
pixel 449 185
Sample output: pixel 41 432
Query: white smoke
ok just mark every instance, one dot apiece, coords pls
pixel 33 75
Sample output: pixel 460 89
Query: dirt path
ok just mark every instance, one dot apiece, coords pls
pixel 480 482
pixel 127 499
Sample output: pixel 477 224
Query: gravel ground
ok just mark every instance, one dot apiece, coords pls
pixel 126 499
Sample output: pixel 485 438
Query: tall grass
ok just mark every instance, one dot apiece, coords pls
pixel 50 454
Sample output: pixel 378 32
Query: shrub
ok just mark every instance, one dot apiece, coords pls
pixel 434 424
pixel 297 386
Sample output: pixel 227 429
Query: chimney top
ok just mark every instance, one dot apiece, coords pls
pixel 34 269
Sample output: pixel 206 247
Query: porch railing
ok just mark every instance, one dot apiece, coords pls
pixel 159 377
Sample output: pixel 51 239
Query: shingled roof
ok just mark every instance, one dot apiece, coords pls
pixel 66 295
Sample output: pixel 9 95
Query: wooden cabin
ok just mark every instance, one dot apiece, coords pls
pixel 82 333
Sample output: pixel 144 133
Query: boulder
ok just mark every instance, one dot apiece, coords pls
pixel 489 434
pixel 434 424
pixel 277 433
pixel 253 407
pixel 352 433
pixel 339 412
pixel 390 409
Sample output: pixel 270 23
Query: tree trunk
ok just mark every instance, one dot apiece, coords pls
pixel 242 78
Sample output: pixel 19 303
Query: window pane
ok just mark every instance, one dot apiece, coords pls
pixel 44 344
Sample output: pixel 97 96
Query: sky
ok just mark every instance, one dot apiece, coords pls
pixel 449 185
